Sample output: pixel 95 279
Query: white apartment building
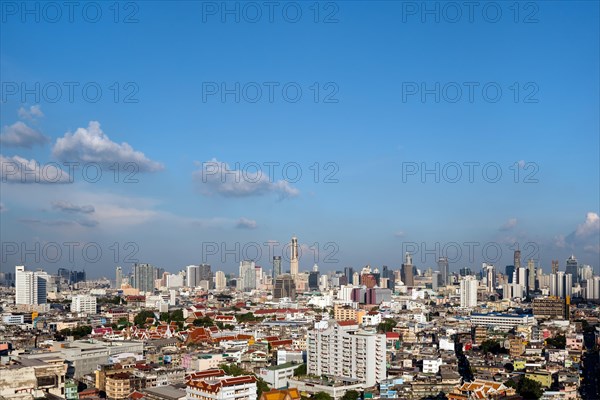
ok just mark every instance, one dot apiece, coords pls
pixel 503 321
pixel 277 376
pixel 342 349
pixel 83 304
pixel 30 286
pixel 468 291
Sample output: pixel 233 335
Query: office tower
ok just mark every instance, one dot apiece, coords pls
pixel 118 277
pixel 247 276
pixel 572 268
pixel 144 276
pixel 276 266
pixel 294 257
pixel 530 275
pixel 586 273
pixel 355 278
pixel 442 264
pixel 343 350
pixel 522 275
pixel 192 275
pixel 554 266
pixel 349 274
pixel 407 271
pixel 64 274
pixel 436 280
pixel 517 259
pixel 284 287
pixel 220 280
pixel 313 280
pixel 368 280
pixel 490 275
pixel 466 271
pixel 83 304
pixel 205 273
pixel 509 272
pixel 76 276
pixel 30 286
pixel 468 291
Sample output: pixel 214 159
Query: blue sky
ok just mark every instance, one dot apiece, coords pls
pixel 366 127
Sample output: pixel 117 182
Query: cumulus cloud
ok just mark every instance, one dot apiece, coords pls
pixel 216 177
pixel 508 225
pixel 20 134
pixel 590 227
pixel 32 113
pixel 20 170
pixel 91 144
pixel 65 206
pixel 245 223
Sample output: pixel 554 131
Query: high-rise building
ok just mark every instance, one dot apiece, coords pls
pixel 530 275
pixel 192 276
pixel 442 264
pixel 284 287
pixel 294 257
pixel 144 276
pixel 220 280
pixel 468 291
pixel 407 271
pixel 517 259
pixel 342 349
pixel 554 266
pixel 349 274
pixel 572 268
pixel 557 285
pixel 510 272
pixel 118 277
pixel 205 273
pixel 276 266
pixel 490 276
pixel 568 286
pixel 592 289
pixel 522 275
pixel 30 286
pixel 247 278
pixel 313 280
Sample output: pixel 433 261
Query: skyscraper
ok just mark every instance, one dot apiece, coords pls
pixel 192 273
pixel 490 274
pixel 118 277
pixel 247 278
pixel 517 259
pixel 531 275
pixel 284 287
pixel 510 272
pixel 30 286
pixel 407 271
pixel 572 268
pixel 205 273
pixel 349 274
pixel 220 280
pixel 294 257
pixel 443 268
pixel 554 266
pixel 144 276
pixel 276 266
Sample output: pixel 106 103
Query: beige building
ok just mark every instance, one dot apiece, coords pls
pixel 33 378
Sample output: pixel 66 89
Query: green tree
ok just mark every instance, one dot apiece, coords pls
pixel 140 319
pixel 300 371
pixel 177 315
pixel 203 322
pixel 261 387
pixel 558 342
pixel 350 395
pixel 490 346
pixel 386 325
pixel 321 396
pixel 530 389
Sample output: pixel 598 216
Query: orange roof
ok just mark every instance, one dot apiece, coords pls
pixel 283 394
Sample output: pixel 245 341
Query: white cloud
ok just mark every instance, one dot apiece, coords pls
pixel 91 144
pixel 20 170
pixel 508 225
pixel 3 208
pixel 589 227
pixel 65 206
pixel 399 234
pixel 216 177
pixel 59 222
pixel 21 135
pixel 245 223
pixel 32 113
